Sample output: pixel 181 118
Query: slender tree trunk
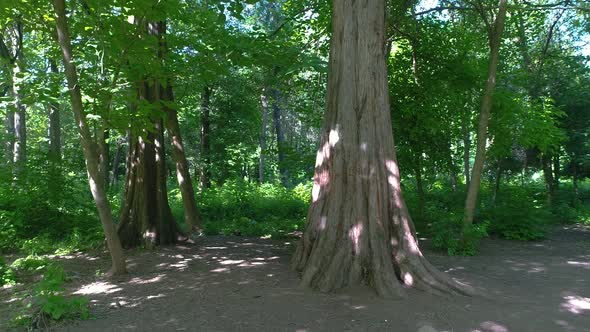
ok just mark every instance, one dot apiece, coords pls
pixel 205 138
pixel 89 148
pixel 104 154
pixel 358 227
pixel 19 152
pixel 497 181
pixel 575 182
pixel 466 151
pixel 495 38
pixel 191 215
pixel 9 135
pixel 54 125
pixel 264 111
pixel 556 171
pixel 277 121
pixel 116 163
pixel 548 177
pixel 420 188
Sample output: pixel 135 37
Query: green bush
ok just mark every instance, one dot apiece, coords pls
pixel 246 209
pixel 453 237
pixel 7 275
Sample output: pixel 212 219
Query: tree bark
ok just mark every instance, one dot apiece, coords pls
pixel 466 151
pixel 116 163
pixel 89 148
pixel 205 138
pixel 19 152
pixel 264 111
pixel 54 125
pixel 497 181
pixel 495 39
pixel 104 154
pixel 191 215
pixel 277 117
pixel 146 218
pixel 548 177
pixel 420 188
pixel 358 227
pixel 556 171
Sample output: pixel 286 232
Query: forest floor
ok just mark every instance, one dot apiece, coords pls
pixel 245 284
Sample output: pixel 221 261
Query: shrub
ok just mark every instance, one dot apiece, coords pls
pixel 7 275
pixel 453 237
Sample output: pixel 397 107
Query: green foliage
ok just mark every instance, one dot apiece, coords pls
pixel 241 208
pixel 7 275
pixel 30 263
pixel 453 237
pixel 48 300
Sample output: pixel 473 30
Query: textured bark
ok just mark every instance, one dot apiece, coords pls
pixel 264 111
pixel 89 148
pixel 495 39
pixel 277 121
pixel 146 218
pixel 358 227
pixel 205 138
pixel 191 215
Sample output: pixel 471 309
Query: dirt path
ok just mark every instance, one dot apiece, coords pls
pixel 238 284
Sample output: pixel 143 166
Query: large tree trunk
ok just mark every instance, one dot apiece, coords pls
pixel 146 218
pixel 205 138
pixel 495 39
pixel 264 111
pixel 277 121
pixel 358 227
pixel 104 153
pixel 89 148
pixel 191 215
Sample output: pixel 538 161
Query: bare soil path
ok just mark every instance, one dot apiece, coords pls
pixel 245 284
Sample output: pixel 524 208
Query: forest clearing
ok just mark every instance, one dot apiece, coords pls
pixel 296 165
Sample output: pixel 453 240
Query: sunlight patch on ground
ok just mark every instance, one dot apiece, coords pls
pixel 100 287
pixel 231 262
pixel 576 304
pixel 139 281
pixel 576 263
pixel 490 326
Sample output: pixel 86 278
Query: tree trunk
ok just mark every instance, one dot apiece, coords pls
pixel 495 39
pixel 575 182
pixel 9 136
pixel 19 152
pixel 264 111
pixel 358 227
pixel 116 163
pixel 191 215
pixel 497 181
pixel 556 171
pixel 276 117
pixel 104 154
pixel 54 125
pixel 466 151
pixel 89 148
pixel 146 218
pixel 548 177
pixel 420 188
pixel 205 138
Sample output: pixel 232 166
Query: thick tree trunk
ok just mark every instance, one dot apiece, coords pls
pixel 556 171
pixel 146 218
pixel 276 118
pixel 191 215
pixel 495 39
pixel 264 111
pixel 89 148
pixel 358 227
pixel 205 138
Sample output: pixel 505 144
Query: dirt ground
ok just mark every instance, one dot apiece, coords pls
pixel 245 284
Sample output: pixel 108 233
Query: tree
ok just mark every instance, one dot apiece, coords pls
pixel 495 38
pixel 358 227
pixel 89 148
